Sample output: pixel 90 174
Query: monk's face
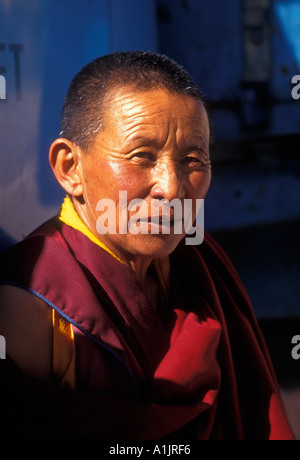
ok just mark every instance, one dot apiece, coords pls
pixel 155 147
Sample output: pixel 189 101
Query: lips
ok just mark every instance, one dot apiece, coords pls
pixel 160 220
pixel 161 225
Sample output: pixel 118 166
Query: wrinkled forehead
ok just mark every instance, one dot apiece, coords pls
pixel 127 108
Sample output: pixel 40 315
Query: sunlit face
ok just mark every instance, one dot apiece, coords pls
pixel 155 146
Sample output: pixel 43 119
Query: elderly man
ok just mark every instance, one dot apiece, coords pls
pixel 116 327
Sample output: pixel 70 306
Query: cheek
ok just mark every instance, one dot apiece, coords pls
pixel 200 183
pixel 105 180
pixel 125 177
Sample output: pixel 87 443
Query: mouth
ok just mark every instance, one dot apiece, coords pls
pixel 163 224
pixel 162 220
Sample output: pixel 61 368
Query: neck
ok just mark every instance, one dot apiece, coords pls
pixel 140 269
pixel 138 265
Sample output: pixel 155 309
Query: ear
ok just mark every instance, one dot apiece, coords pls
pixel 65 162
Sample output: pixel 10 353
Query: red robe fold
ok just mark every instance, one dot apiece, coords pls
pixel 197 369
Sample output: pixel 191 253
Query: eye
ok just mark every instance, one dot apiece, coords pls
pixel 196 159
pixel 144 156
pixel 192 159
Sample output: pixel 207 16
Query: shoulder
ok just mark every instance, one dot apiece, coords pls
pixel 26 325
pixel 41 255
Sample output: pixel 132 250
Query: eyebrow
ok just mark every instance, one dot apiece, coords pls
pixel 138 141
pixel 199 148
pixel 146 140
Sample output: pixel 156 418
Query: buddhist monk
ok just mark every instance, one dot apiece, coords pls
pixel 121 319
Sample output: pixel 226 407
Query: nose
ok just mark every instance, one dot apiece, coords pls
pixel 167 182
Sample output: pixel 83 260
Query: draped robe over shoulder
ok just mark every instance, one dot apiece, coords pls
pixel 195 368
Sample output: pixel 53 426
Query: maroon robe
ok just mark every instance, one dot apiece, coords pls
pixel 196 369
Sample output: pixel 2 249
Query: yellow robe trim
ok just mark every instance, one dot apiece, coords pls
pixel 63 364
pixel 69 216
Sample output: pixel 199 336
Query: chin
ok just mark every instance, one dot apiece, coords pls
pixel 157 246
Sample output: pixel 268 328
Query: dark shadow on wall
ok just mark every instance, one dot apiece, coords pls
pixel 267 258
